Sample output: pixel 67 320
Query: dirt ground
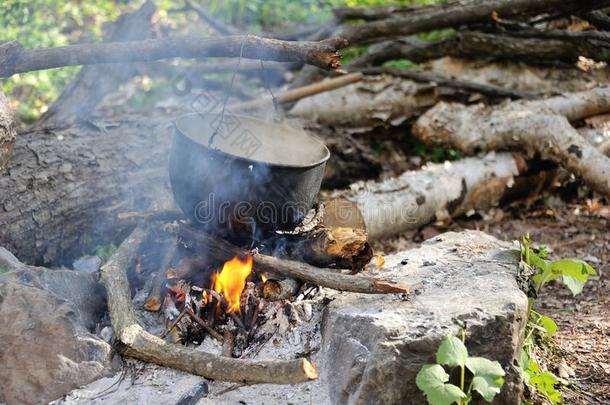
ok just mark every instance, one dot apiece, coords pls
pixel 579 229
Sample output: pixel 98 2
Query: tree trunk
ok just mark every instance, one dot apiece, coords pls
pixel 7 133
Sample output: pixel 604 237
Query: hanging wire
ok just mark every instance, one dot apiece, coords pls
pixel 268 87
pixel 226 100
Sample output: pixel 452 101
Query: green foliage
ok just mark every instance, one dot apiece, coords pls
pixel 46 23
pixel 105 252
pixel 432 380
pixel 400 64
pixel 434 154
pixel 573 273
pixel 487 377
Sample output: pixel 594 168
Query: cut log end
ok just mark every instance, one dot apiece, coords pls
pixel 389 287
pixel 309 369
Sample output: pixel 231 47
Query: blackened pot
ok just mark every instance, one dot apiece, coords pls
pixel 255 172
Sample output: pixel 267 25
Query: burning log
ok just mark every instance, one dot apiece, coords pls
pixel 540 127
pixel 339 246
pixel 323 54
pixel 138 343
pixel 221 250
pixel 153 300
pixel 275 290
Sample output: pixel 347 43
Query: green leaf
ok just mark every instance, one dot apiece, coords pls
pixel 432 380
pixel 548 324
pixel 487 377
pixel 574 273
pixel 451 352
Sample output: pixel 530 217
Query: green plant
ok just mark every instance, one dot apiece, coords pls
pixel 540 328
pixel 105 252
pixel 486 376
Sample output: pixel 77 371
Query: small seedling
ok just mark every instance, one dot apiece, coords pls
pixel 574 274
pixel 486 377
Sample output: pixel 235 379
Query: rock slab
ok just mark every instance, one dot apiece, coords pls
pixel 373 346
pixel 46 349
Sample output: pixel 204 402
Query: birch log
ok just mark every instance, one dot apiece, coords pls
pixel 436 192
pixel 540 127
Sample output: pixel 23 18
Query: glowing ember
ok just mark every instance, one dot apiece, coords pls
pixel 230 281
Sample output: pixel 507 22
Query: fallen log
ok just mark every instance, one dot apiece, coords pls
pixel 532 47
pixel 323 54
pixel 373 101
pixel 136 342
pixel 539 127
pixel 454 14
pixel 598 137
pixel 8 133
pixel 442 191
pixel 222 251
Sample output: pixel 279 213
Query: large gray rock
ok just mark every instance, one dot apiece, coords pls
pixel 47 349
pixel 373 346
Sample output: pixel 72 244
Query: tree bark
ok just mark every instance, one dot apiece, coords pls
pixel 7 133
pixel 324 54
pixel 539 127
pixel 64 189
pixel 454 14
pixel 93 83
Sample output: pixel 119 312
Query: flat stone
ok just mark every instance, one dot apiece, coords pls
pixel 373 346
pixel 47 349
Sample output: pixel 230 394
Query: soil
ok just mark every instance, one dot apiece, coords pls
pixel 579 229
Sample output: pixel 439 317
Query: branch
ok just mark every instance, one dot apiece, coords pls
pixel 222 250
pixel 417 76
pixel 324 54
pixel 138 343
pixel 456 13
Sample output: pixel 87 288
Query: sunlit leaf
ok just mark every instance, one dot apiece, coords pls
pixel 548 324
pixel 451 352
pixel 432 380
pixel 487 377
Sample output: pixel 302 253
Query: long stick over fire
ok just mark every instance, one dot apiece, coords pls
pixel 137 343
pixel 324 54
pixel 222 250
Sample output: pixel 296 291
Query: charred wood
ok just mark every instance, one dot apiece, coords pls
pixel 275 290
pixel 222 250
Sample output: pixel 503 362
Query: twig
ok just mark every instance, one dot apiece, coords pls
pixel 174 323
pixel 205 325
pixel 419 76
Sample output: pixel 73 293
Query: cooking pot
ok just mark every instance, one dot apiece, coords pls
pixel 253 172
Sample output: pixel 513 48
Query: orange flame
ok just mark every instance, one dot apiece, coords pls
pixel 230 281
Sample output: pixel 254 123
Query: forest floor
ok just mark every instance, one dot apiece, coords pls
pixel 581 229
